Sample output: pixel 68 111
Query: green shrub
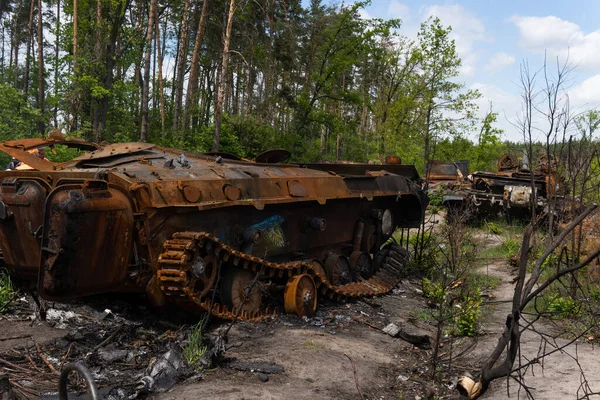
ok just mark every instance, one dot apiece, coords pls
pixel 467 318
pixel 434 291
pixel 436 197
pixel 495 228
pixel 511 247
pixel 562 307
pixel 594 292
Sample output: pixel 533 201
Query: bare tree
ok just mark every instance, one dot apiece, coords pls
pixel 546 113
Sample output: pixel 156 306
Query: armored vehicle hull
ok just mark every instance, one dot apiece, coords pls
pixel 231 237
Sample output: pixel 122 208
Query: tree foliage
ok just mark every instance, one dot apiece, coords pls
pixel 317 79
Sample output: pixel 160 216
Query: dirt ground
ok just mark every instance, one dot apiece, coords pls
pixel 560 376
pixel 332 356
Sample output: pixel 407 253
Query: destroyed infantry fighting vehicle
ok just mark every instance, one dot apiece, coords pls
pixel 210 232
pixel 509 190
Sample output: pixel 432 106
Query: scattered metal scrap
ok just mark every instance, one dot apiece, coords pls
pixel 197 229
pixel 128 355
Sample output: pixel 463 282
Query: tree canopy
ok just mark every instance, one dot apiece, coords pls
pixel 320 80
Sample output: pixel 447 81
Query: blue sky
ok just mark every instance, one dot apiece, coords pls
pixel 494 37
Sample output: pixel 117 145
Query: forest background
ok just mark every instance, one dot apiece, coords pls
pixel 241 76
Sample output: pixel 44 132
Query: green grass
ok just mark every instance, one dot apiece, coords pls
pixel 483 281
pixel 312 345
pixel 425 315
pixel 492 252
pixel 494 228
pixel 7 291
pixel 195 348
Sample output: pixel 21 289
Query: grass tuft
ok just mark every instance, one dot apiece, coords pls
pixel 195 348
pixel 7 291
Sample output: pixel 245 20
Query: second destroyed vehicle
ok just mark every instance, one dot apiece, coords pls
pixel 508 191
pixel 211 233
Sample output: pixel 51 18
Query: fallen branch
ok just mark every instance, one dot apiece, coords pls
pixel 107 340
pixel 64 358
pixel 24 390
pixel 14 366
pixel 355 376
pixel 45 360
pixel 14 337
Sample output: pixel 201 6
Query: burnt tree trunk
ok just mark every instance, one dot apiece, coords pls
pixel 109 63
pixel 191 98
pixel 146 89
pixel 222 78
pixel 75 104
pixel 40 36
pixel 178 79
pixel 161 88
pixel 29 45
pixel 56 65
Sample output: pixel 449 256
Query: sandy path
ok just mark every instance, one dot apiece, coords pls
pixel 560 377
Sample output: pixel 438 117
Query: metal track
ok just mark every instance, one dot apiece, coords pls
pixel 174 273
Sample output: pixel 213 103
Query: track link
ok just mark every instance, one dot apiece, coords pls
pixel 174 274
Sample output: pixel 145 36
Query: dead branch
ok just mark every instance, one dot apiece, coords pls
pixel 537 269
pixel 13 366
pixel 15 337
pixel 107 340
pixel 355 376
pixel 45 360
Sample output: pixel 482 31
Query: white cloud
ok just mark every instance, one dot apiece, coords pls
pixel 559 38
pixel 398 10
pixel 586 94
pixel 498 62
pixel 364 14
pixel 507 106
pixel 467 29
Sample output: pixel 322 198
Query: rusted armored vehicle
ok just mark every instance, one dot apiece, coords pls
pixel 509 190
pixel 210 232
pixel 447 175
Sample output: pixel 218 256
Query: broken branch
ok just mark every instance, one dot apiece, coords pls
pixel 355 376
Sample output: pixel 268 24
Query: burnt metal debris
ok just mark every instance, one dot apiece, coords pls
pixel 512 191
pixel 448 175
pixel 200 230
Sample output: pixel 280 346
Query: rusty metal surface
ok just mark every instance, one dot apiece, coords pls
pixel 109 221
pixel 508 162
pixel 20 150
pixel 510 190
pixel 448 175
